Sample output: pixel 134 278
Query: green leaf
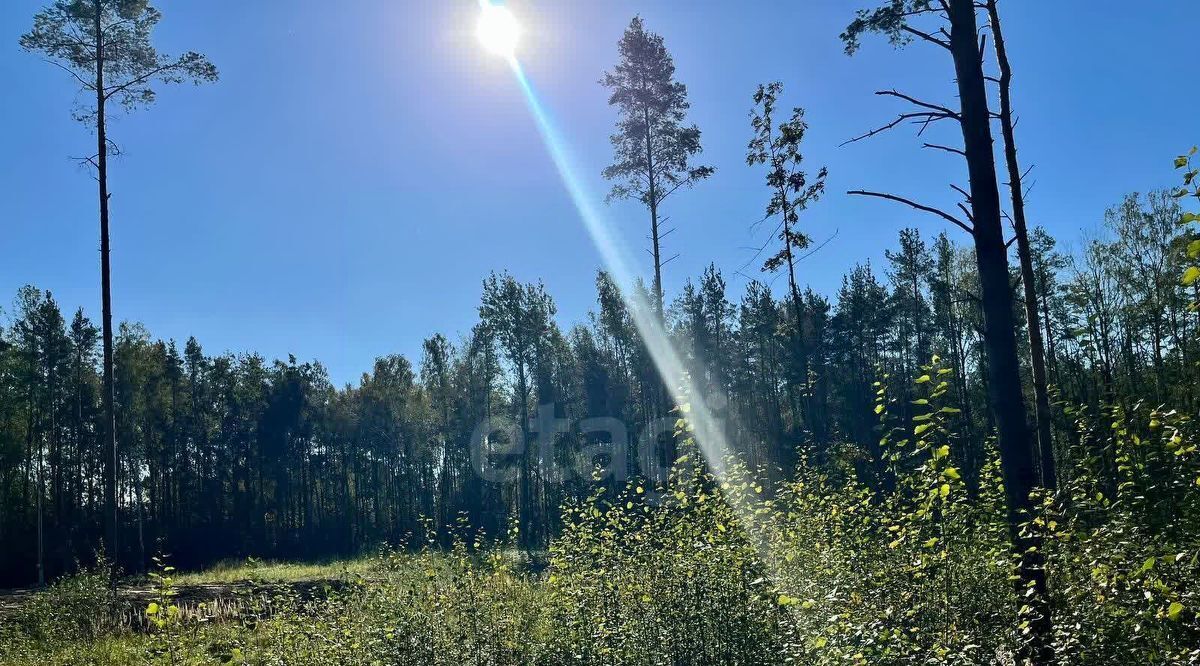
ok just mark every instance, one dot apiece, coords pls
pixel 952 473
pixel 1190 276
pixel 941 452
pixel 1174 610
pixel 1193 249
pixel 152 609
pixel 922 379
pixel 922 428
pixel 1181 162
pixel 944 490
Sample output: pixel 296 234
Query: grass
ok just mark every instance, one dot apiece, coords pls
pixel 236 571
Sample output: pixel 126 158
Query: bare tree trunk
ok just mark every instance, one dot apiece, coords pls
pixel 109 428
pixel 1004 379
pixel 1037 351
pixel 41 547
pixel 653 203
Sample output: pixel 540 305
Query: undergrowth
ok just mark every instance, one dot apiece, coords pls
pixel 822 568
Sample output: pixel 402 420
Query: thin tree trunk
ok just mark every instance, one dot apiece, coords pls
pixel 109 428
pixel 653 203
pixel 41 547
pixel 1008 403
pixel 1037 351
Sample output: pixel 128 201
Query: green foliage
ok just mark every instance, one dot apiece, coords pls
pixel 1190 221
pixel 818 568
pixel 777 146
pixel 77 608
pixel 652 147
pixel 1123 552
pixel 65 33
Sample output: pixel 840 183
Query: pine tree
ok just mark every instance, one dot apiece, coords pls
pixel 105 46
pixel 653 148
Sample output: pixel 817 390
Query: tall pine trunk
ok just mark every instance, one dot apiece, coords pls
pixel 1037 349
pixel 1004 379
pixel 109 429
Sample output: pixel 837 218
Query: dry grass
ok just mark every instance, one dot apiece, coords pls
pixel 236 571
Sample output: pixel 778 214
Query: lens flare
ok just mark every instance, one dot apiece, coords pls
pixel 708 429
pixel 498 29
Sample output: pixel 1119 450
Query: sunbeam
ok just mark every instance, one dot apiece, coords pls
pixel 708 431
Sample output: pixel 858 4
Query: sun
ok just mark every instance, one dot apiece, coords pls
pixel 498 30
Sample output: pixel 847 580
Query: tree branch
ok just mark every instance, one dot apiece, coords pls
pixel 928 209
pixel 925 36
pixel 928 116
pixel 948 149
pixel 161 69
pixel 82 82
pixel 914 100
pixel 966 195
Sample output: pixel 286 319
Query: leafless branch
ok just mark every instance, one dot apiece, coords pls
pixel 914 100
pixel 926 36
pixel 966 212
pixel 816 249
pixel 948 149
pixel 82 82
pixel 928 116
pixel 928 209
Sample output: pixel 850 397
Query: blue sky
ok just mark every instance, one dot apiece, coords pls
pixel 362 165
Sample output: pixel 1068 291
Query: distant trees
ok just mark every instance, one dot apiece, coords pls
pixel 653 148
pixel 105 46
pixel 228 456
pixel 519 318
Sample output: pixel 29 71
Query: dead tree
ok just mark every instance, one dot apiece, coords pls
pixel 1037 347
pixel 957 33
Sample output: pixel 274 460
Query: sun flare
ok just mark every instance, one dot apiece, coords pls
pixel 498 30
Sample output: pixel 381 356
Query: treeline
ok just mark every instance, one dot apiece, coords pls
pixel 232 455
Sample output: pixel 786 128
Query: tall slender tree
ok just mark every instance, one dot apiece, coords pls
pixel 105 46
pixel 1037 346
pixel 777 147
pixel 958 36
pixel 653 148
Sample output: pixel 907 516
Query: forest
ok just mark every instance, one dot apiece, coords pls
pixel 981 450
